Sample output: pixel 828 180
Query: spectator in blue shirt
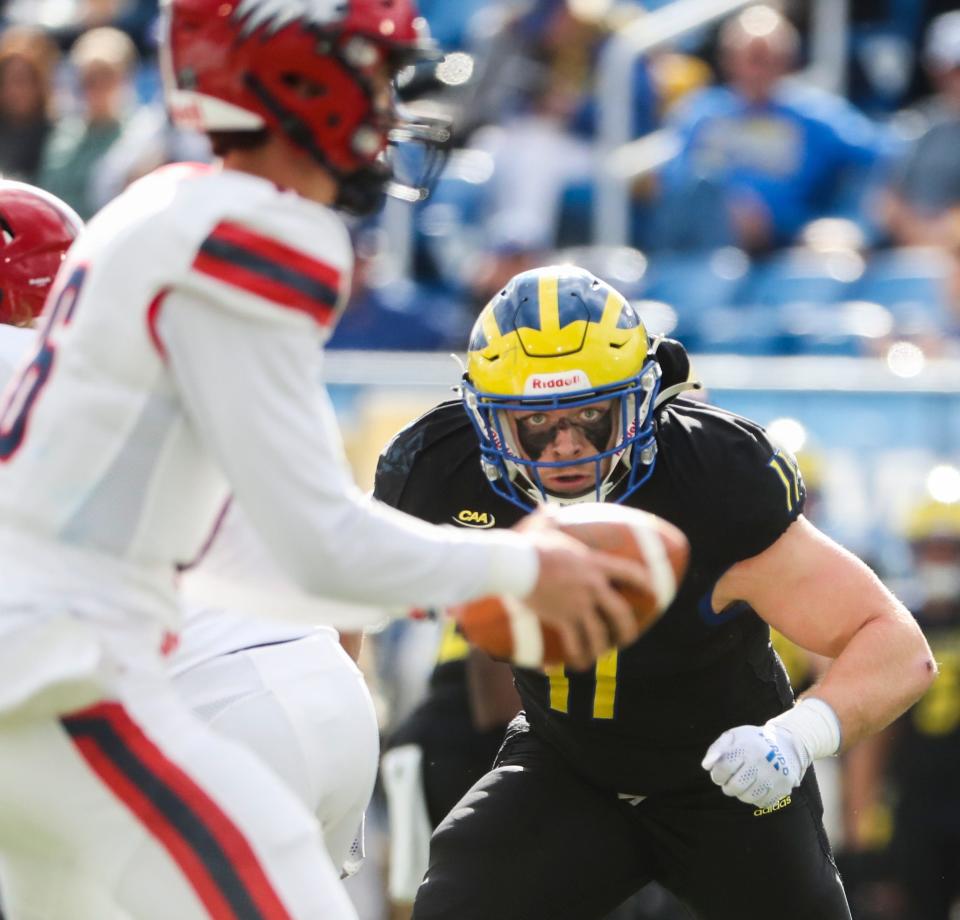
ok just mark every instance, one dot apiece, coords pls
pixel 761 155
pixel 926 186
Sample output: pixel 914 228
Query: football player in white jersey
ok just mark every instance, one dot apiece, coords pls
pixel 286 690
pixel 177 364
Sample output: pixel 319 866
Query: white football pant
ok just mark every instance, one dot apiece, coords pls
pixel 132 809
pixel 304 709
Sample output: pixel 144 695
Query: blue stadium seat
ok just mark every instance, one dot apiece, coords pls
pixel 741 331
pixel 695 283
pixel 846 329
pixel 450 225
pixel 803 276
pixel 912 284
pixel 403 316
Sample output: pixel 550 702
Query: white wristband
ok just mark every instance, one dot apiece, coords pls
pixel 514 564
pixel 814 725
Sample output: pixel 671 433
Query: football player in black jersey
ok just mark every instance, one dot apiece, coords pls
pixel 918 755
pixel 682 758
pixel 439 751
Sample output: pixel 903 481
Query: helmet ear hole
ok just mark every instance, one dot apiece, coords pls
pixel 303 87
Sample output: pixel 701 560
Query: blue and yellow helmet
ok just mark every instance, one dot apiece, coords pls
pixel 558 338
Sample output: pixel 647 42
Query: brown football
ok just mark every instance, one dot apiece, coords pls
pixel 506 628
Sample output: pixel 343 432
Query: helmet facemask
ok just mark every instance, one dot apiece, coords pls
pixel 631 451
pixel 418 146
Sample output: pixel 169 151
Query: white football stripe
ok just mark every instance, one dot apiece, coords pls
pixel 661 572
pixel 527 636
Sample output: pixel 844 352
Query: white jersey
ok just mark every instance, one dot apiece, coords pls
pixel 178 362
pixel 238 597
pixel 236 556
pixel 16 343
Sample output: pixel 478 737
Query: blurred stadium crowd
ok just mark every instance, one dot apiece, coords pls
pixel 773 212
pixel 828 222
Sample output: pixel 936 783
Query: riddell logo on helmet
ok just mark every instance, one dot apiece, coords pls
pixel 552 383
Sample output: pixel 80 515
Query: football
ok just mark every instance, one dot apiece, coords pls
pixel 506 628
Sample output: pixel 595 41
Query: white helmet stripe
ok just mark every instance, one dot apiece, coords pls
pixel 275 14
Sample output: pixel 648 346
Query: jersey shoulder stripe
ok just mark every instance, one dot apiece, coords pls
pixel 264 266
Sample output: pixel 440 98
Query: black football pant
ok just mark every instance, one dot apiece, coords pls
pixel 532 840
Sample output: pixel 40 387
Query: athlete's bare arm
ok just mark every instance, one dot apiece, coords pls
pixel 828 601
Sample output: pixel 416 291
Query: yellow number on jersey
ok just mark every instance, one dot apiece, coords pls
pixel 786 468
pixel 605 686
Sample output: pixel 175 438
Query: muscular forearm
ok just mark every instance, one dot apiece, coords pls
pixel 882 671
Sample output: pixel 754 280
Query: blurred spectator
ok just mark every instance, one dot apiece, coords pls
pixel 918 755
pixel 148 140
pixel 883 41
pixel 449 22
pixel 926 826
pixel 885 66
pixel 66 20
pixel 103 60
pixel 513 246
pixel 389 311
pixel 951 240
pixel 927 183
pixel 27 61
pixel 536 86
pixel 760 156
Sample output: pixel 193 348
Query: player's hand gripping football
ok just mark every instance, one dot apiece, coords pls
pixel 574 594
pixel 607 572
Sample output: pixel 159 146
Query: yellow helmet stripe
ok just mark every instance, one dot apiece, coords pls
pixel 548 292
pixel 611 311
pixel 491 330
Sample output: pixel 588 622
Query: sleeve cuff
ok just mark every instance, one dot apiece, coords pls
pixel 514 565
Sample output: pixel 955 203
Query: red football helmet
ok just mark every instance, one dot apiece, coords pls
pixel 301 67
pixel 36 230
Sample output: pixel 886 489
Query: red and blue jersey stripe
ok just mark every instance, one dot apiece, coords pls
pixel 262 265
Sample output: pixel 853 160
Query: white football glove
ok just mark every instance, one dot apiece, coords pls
pixel 761 764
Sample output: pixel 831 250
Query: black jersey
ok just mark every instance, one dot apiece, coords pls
pixel 642 718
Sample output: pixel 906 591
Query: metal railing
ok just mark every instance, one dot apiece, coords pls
pixel 400 369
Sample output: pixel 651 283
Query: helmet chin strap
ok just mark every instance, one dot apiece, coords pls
pixel 362 192
pixel 676 390
pixel 550 498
